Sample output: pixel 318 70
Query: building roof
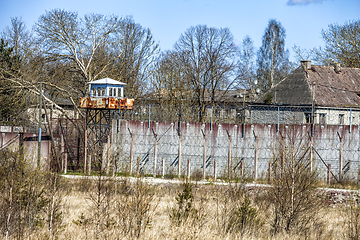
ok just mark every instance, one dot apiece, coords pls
pixel 106 81
pixel 327 85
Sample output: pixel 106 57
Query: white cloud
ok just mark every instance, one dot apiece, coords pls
pixel 302 2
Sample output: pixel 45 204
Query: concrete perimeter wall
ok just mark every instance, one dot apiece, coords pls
pixel 243 146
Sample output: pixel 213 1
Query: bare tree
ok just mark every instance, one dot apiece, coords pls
pixel 246 65
pixel 295 201
pixel 341 45
pixel 207 55
pixel 19 38
pixel 273 59
pixel 138 50
pixel 96 45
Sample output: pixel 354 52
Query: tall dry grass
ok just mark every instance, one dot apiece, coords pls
pixel 137 210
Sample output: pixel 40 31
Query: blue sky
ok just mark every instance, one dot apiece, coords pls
pixel 303 20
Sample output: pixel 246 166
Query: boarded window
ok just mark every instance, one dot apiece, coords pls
pixel 341 119
pixel 322 118
pixel 308 118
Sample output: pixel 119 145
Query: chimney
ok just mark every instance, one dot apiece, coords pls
pixel 306 64
pixel 337 67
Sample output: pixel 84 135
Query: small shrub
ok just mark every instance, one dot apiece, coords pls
pixel 184 208
pixel 244 219
pixel 135 208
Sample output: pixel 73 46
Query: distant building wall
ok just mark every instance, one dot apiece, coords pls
pixel 9 138
pixel 302 115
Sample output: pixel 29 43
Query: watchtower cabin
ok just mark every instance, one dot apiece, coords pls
pixel 106 93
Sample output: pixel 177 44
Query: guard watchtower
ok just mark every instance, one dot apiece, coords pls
pixel 106 99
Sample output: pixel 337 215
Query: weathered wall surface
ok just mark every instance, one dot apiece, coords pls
pixel 297 115
pixel 9 138
pixel 243 146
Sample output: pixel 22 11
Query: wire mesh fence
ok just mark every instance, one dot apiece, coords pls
pixel 228 140
pixel 244 149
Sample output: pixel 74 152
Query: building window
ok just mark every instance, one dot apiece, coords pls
pixel 110 92
pixel 308 118
pixel 322 118
pixel 341 119
pixel 43 118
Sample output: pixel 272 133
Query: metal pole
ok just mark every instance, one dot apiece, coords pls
pixel 350 122
pixel 149 115
pixel 40 117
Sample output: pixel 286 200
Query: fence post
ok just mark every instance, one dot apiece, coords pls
pixel 256 156
pixel 89 166
pixel 269 180
pixel 85 148
pixel 163 168
pixel 242 168
pixel 341 157
pixel 155 153
pixel 179 157
pixel 188 169
pixel 215 163
pixel 65 161
pixel 204 155
pixel 62 149
pixel 278 119
pixel 131 151
pixel 211 118
pixel 137 166
pixel 328 174
pixel 311 153
pixel 282 162
pixel 229 156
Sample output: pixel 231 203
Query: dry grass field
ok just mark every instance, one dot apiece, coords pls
pixel 45 205
pixel 120 209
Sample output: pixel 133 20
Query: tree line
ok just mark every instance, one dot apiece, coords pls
pixel 65 51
